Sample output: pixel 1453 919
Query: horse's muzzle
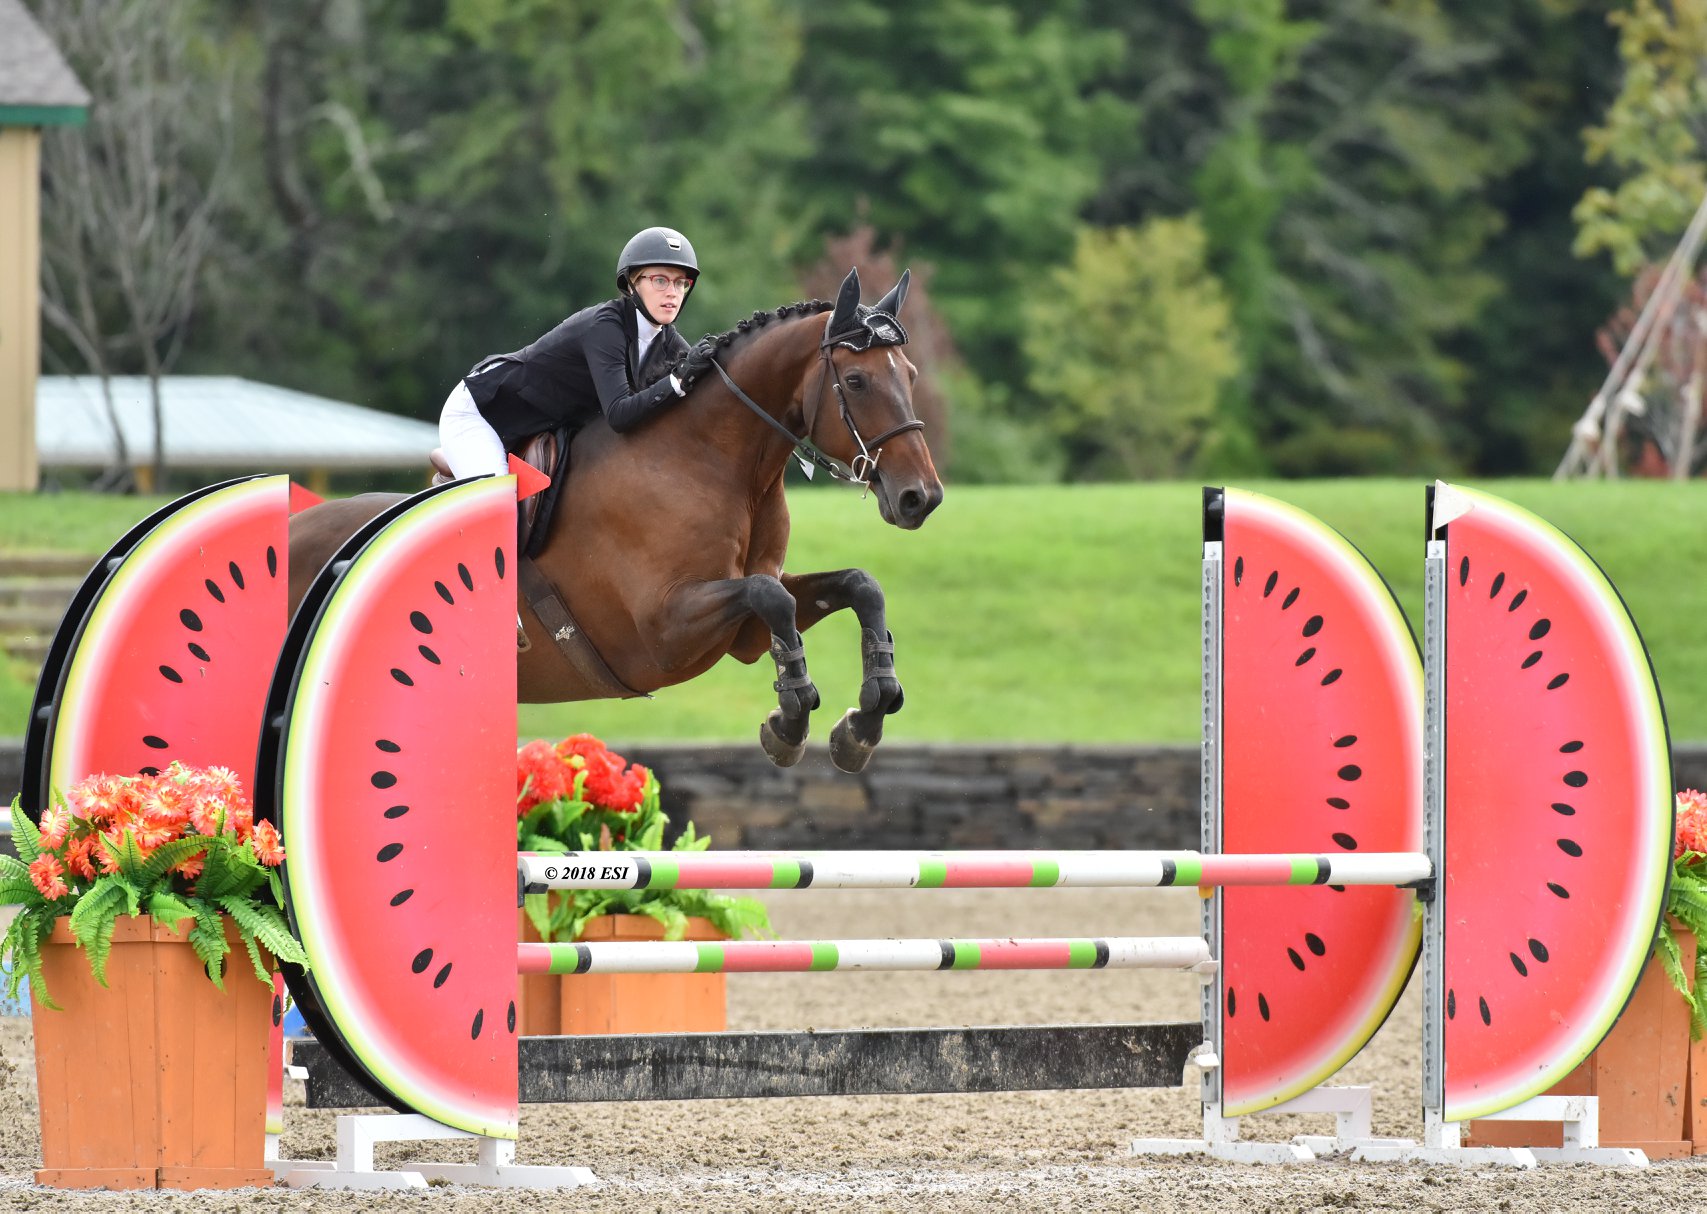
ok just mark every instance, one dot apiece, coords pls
pixel 907 503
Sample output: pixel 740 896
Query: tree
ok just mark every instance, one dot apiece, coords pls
pixel 1652 136
pixel 1130 345
pixel 132 199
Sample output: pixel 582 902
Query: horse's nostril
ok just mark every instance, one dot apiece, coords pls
pixel 911 501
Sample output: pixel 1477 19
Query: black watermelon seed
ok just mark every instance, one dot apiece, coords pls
pixel 422 960
pixel 467 577
pixel 1296 960
pixel 512 1016
pixel 1570 847
pixel 390 852
pixel 1313 942
pixel 1262 1005
pixel 1268 586
pixel 1238 570
pixel 1332 676
pixel 1557 681
pixel 148 771
pixel 419 622
pixel 1338 889
pixel 1351 771
pixel 1531 659
pixel 1570 748
pixel 272 562
pixel 1560 807
pixel 1464 571
pixel 1350 739
pixel 1487 1016
pixel 1558 890
pixel 1291 598
pixel 444 593
pixel 498 561
pixel 214 590
pixel 1345 840
pixel 237 574
pixel 1451 1005
pixel 388 746
pixel 190 620
pixel 397 811
pixel 199 652
pixel 278 1011
pixel 439 978
pixel 1312 626
pixel 154 743
pixel 1494 590
pixel 1517 964
pixel 1339 803
pixel 1517 600
pixel 1232 1002
pixel 1540 629
pixel 383 779
pixel 402 678
pixel 1538 950
pixel 429 655
pixel 474 1033
pixel 172 674
pixel 400 898
pixel 1305 656
pixel 1576 779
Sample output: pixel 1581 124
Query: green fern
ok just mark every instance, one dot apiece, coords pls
pixel 92 922
pixel 26 839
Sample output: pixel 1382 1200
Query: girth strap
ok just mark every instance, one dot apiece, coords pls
pixel 553 613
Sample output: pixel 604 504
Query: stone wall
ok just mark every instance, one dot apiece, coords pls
pixel 934 797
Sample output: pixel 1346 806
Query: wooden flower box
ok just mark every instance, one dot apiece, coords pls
pixel 553 1005
pixel 159 1079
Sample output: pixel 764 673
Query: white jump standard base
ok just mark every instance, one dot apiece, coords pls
pixel 1579 1115
pixel 353 1168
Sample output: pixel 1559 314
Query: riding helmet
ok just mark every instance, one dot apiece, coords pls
pixel 657 247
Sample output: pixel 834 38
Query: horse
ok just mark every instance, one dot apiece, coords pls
pixel 668 544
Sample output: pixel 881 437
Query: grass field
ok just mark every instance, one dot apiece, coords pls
pixel 1066 614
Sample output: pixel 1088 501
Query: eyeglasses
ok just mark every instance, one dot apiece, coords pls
pixel 662 283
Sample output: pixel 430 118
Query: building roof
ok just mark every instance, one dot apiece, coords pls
pixel 221 421
pixel 37 87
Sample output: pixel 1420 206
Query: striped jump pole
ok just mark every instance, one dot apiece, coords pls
pixel 815 956
pixel 538 872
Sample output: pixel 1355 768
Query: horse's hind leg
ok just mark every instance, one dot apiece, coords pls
pixel 857 734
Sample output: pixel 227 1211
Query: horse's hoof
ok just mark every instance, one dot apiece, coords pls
pixel 847 752
pixel 783 753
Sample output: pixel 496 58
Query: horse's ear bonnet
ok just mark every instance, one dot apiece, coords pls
pixel 855 326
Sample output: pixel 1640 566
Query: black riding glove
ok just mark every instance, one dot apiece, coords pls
pixel 695 363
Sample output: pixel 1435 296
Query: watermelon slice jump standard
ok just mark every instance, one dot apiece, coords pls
pixel 1558 796
pixel 1321 752
pixel 388 766
pixel 167 648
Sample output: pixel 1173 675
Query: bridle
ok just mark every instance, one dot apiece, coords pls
pixel 810 455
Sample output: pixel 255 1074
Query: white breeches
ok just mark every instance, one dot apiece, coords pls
pixel 470 444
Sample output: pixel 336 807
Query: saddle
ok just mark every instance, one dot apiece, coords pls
pixel 549 453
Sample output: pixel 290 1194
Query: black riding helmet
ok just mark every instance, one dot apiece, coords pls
pixel 656 247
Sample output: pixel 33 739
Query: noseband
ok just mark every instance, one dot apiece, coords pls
pixel 810 455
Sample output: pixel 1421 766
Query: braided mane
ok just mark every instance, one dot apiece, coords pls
pixel 758 320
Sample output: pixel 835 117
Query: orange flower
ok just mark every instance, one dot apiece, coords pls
pixel 55 824
pixel 265 843
pixel 79 857
pixel 45 874
pixel 191 866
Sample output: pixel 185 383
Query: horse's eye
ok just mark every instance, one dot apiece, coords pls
pixel 856 381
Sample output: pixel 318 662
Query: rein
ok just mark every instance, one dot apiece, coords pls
pixel 811 455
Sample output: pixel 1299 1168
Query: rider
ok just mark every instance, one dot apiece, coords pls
pixel 621 358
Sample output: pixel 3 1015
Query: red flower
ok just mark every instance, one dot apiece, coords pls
pixel 1691 822
pixel 541 776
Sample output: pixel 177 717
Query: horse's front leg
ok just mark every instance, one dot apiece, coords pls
pixel 705 609
pixel 860 729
